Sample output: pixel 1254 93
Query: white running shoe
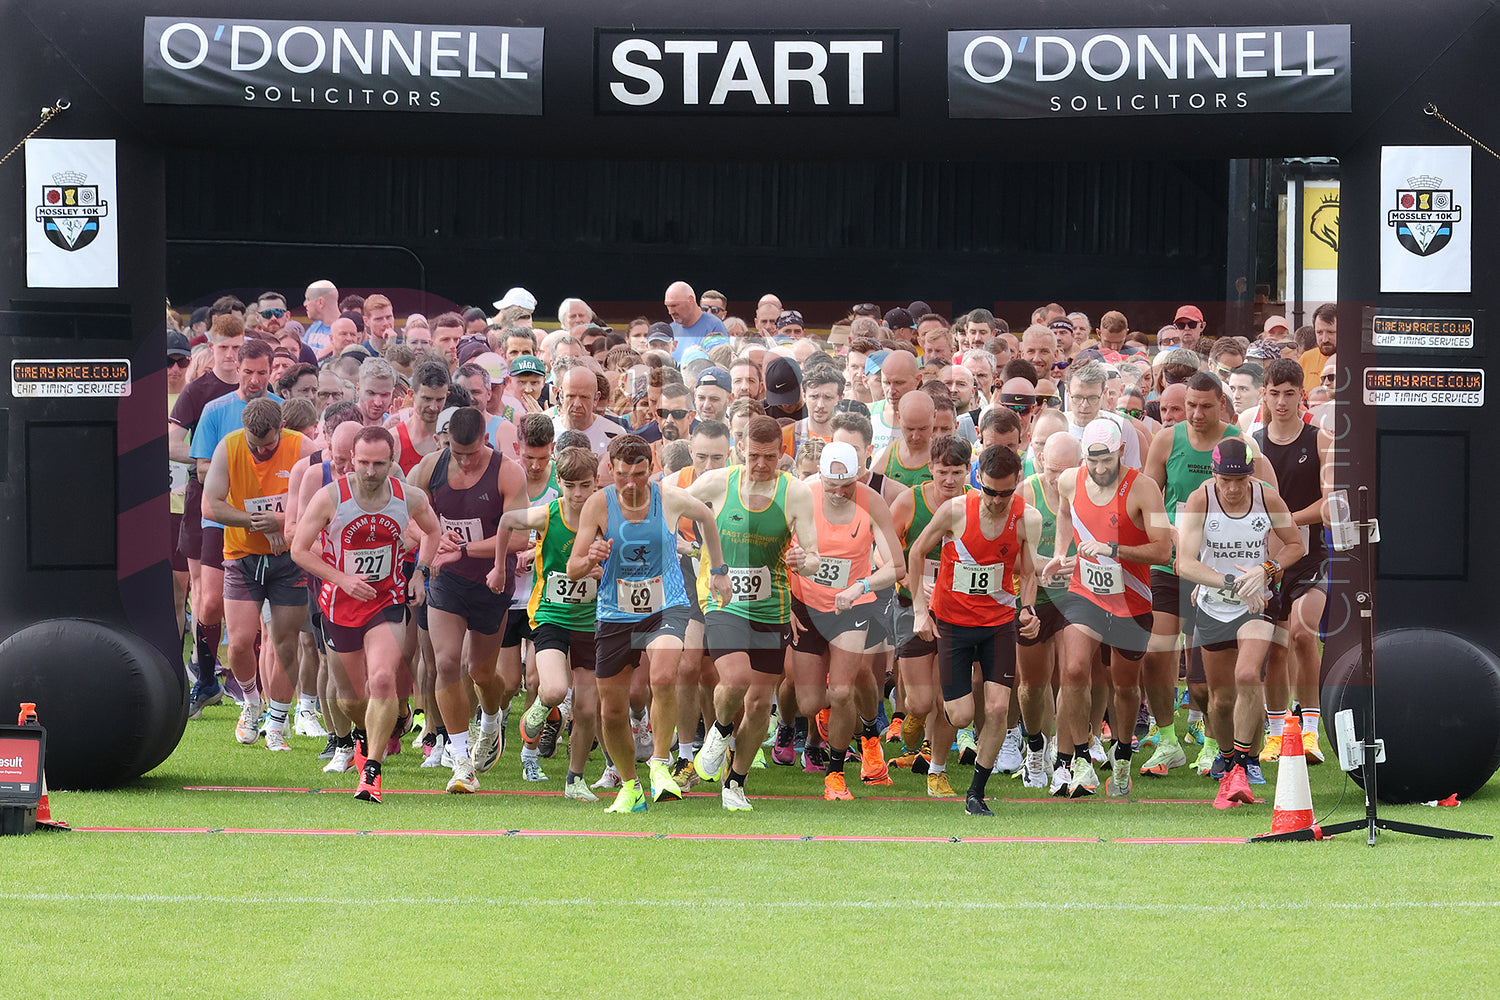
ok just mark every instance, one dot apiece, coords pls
pixel 485 750
pixel 531 769
pixel 439 752
pixel 1010 760
pixel 464 779
pixel 342 761
pixel 247 729
pixel 609 779
pixel 1034 771
pixel 732 797
pixel 308 724
pixel 276 739
pixel 712 756
pixel 578 789
pixel 1097 755
pixel 1061 777
pixel 644 742
pixel 1085 780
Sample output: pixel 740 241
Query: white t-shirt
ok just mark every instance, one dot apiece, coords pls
pixel 600 433
pixel 884 433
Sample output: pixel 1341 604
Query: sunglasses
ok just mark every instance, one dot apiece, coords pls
pixel 1053 401
pixel 866 307
pixel 179 362
pixel 1185 324
pixel 999 494
pixel 1020 409
pixel 1133 414
pixel 716 310
pixel 671 414
pixel 1329 378
pixel 273 313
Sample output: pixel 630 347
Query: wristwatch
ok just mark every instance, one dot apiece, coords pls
pixel 426 570
pixel 463 550
pixel 864 585
pixel 1228 581
pixel 1114 550
pixel 720 570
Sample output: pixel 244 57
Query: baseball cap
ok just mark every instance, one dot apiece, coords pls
pixel 471 346
pixel 789 317
pixel 1275 322
pixel 526 364
pixel 661 332
pixel 783 383
pixel 918 309
pixel 1232 458
pixel 441 427
pixel 839 462
pixel 200 315
pixel 717 377
pixel 1262 350
pixel 178 345
pixel 517 296
pixel 493 364
pixel 692 354
pixel 1101 437
pixel 899 319
pixel 874 361
pixel 1189 312
pixel 356 351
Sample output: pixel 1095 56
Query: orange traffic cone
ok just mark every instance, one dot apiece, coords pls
pixel 1293 809
pixel 43 808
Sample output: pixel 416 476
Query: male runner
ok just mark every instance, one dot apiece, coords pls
pixel 1114 516
pixel 1234 534
pixel 360 521
pixel 416 437
pixel 904 461
pixel 630 528
pixel 747 624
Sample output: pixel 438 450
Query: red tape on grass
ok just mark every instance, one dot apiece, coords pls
pixel 1179 840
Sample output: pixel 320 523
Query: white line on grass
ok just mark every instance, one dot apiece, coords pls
pixel 811 904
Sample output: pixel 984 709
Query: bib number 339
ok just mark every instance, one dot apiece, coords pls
pixel 749 584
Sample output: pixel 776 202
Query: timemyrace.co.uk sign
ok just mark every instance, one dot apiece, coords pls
pixel 343 65
pixel 1044 73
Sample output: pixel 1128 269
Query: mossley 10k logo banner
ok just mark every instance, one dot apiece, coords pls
pixel 1425 239
pixel 343 65
pixel 1046 73
pixel 72 225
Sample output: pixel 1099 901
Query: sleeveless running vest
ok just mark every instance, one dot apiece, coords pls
pixel 976 585
pixel 755 543
pixel 1047 543
pixel 1298 480
pixel 843 555
pixel 366 545
pixel 1230 542
pixel 474 513
pixel 642 575
pixel 409 456
pixel 1187 469
pixel 903 475
pixel 257 486
pixel 1121 588
pixel 555 599
pixel 921 516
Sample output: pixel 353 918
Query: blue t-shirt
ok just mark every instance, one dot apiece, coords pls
pixel 690 336
pixel 316 336
pixel 220 419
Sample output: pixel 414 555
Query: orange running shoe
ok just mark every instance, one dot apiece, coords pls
pixel 872 768
pixel 913 727
pixel 823 725
pixel 893 731
pixel 834 788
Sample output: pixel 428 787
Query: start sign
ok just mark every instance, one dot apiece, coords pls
pixel 84 377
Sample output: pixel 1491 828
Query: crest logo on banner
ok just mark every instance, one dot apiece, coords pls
pixel 70 210
pixel 1425 215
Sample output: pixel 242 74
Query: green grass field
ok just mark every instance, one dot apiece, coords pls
pixel 779 914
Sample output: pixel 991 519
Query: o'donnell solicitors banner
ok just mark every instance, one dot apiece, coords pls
pixel 1043 73
pixel 343 65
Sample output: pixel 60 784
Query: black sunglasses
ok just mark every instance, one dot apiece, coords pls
pixel 671 414
pixel 180 362
pixel 1185 324
pixel 273 313
pixel 1001 494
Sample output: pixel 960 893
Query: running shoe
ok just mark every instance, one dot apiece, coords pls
pixel 333 744
pixel 822 720
pixel 835 789
pixel 1234 789
pixel 684 774
pixel 758 762
pixel 369 783
pixel 1117 785
pixel 1195 734
pixel 1151 739
pixel 428 744
pixel 531 769
pixel 1167 756
pixel 974 806
pixel 1084 780
pixel 893 731
pixel 1218 767
pixel 435 753
pixel 1098 755
pixel 630 799
pixel 464 780
pixel 733 798
pixel 938 786
pixel 1034 772
pixel 782 752
pixel 1206 756
pixel 772 724
pixel 232 689
pixel 1271 752
pixel 202 696
pixel 967 747
pixel 872 766
pixel 546 743
pixel 712 759
pixel 531 721
pixel 247 729
pixel 485 751
pixel 1012 757
pixel 403 726
pixel 578 788
pixel 814 759
pixel 641 732
pixel 419 725
pixel 308 724
pixel 1253 773
pixel 1061 776
pixel 913 727
pixel 342 760
pixel 609 779
pixel 1312 748
pixel 276 739
pixel 662 785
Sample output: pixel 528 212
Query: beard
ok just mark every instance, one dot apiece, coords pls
pixel 1106 479
pixel 669 431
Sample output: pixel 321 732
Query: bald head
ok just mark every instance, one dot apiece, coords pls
pixel 321 301
pixel 342 445
pixel 1060 451
pixel 898 376
pixel 682 303
pixel 1174 404
pixel 914 418
pixel 960 383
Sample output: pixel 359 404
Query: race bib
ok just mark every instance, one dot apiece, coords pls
pixel 178 479
pixel 1104 579
pixel 640 597
pixel 561 590
pixel 977 581
pixel 469 529
pixel 260 505
pixel 370 564
pixel 1228 595
pixel 749 584
pixel 930 569
pixel 833 572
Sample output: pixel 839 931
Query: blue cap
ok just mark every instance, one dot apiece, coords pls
pixel 694 354
pixel 874 361
pixel 716 377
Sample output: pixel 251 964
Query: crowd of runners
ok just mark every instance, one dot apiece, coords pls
pixel 688 549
